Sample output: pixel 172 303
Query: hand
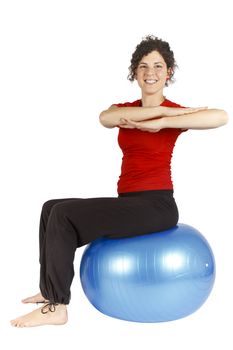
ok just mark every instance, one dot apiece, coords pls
pixel 125 125
pixel 152 125
pixel 173 111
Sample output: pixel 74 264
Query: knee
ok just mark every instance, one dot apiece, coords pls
pixel 60 216
pixel 48 205
pixel 58 210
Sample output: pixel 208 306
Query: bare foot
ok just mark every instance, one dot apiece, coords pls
pixel 38 298
pixel 56 316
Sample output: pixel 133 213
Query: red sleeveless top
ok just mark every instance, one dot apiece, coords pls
pixel 146 161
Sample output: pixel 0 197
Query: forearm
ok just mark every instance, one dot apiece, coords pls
pixel 207 119
pixel 111 117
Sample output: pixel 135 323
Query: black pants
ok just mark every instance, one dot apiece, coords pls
pixel 66 224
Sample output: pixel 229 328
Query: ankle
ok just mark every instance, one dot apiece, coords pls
pixel 52 307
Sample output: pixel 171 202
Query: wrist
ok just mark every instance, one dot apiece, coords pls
pixel 162 122
pixel 161 111
pixel 158 111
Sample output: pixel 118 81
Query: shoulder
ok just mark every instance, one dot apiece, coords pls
pixel 169 103
pixel 136 103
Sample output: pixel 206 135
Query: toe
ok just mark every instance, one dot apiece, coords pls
pixel 13 323
pixel 25 301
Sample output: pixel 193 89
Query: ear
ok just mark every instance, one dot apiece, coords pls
pixel 169 72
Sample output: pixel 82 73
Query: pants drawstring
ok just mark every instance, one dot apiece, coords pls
pixel 48 307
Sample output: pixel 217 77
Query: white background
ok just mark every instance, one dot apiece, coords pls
pixel 61 64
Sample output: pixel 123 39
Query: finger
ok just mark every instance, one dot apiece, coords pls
pixel 124 121
pixel 205 107
pixel 129 122
pixel 126 126
pixel 190 110
pixel 196 108
pixel 133 122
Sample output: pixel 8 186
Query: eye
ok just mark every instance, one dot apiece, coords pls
pixel 158 66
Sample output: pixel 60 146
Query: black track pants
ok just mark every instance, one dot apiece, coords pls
pixel 66 224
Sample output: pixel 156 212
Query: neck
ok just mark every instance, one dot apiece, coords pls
pixel 152 100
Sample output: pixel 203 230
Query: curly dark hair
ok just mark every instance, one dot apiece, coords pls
pixel 148 44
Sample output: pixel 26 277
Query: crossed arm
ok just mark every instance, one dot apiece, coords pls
pixel 153 119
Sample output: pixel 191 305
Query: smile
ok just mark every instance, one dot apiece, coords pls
pixel 150 81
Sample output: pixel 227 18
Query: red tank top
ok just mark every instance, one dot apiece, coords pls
pixel 146 161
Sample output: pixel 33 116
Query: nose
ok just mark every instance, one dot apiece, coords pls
pixel 150 71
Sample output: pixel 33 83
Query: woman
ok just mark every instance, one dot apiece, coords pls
pixel 148 129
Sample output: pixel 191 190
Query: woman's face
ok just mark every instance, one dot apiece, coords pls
pixel 152 73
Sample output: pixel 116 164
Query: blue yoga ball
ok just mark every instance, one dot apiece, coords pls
pixel 156 277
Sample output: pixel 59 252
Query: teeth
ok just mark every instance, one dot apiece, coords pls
pixel 150 81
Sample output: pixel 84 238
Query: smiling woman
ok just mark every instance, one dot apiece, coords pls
pixel 149 45
pixel 148 130
pixel 152 74
pixel 153 66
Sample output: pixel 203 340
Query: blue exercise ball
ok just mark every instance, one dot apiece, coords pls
pixel 156 277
